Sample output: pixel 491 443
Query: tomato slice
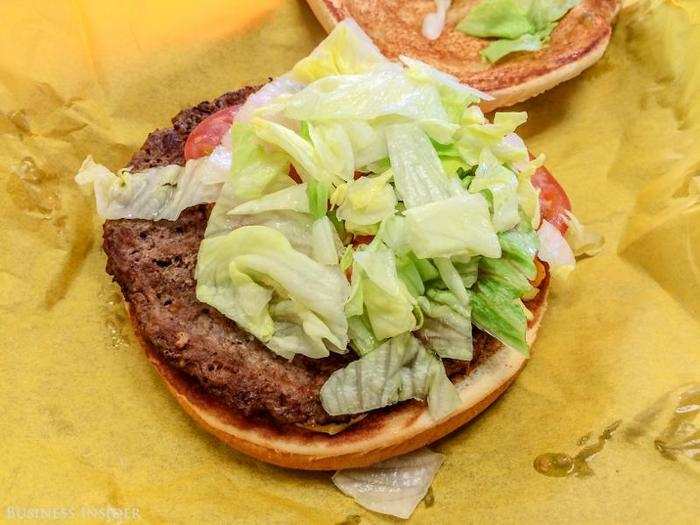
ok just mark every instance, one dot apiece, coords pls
pixel 553 199
pixel 357 240
pixel 207 134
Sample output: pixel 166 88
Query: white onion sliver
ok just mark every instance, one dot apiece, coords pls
pixel 554 249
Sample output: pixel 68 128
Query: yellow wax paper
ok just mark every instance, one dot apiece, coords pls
pixel 86 424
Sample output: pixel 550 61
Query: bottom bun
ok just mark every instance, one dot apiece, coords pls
pixel 380 435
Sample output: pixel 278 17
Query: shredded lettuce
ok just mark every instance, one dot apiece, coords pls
pixel 414 218
pixel 502 184
pixel 367 96
pixel 418 173
pixel 520 25
pixel 388 303
pixel 292 198
pixel 447 327
pixel 238 272
pixel 347 50
pixel 497 311
pixel 334 149
pixel 368 200
pixel 156 193
pixel 398 370
pixel 458 225
pixel 325 242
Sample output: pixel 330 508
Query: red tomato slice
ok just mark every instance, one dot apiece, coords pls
pixel 362 239
pixel 207 134
pixel 553 199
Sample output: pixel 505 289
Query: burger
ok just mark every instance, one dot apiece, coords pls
pixel 340 266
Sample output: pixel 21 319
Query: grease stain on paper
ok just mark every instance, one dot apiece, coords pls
pixel 668 425
pixel 559 464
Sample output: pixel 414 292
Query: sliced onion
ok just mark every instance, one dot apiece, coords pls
pixel 394 486
pixel 554 250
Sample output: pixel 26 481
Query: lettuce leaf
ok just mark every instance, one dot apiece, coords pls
pixel 500 48
pixel 395 486
pixel 255 172
pixel 388 303
pixel 496 311
pixel 156 193
pixel 454 95
pixel 301 151
pixel 325 243
pixel 346 50
pixel 497 18
pixel 334 149
pixel 520 25
pixel 398 370
pixel 238 273
pixel 447 327
pixel 368 200
pixel 418 174
pixel 458 225
pixel 368 96
pixel 362 338
pixel 502 184
pixel 293 198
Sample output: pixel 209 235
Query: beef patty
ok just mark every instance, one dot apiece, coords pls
pixel 154 261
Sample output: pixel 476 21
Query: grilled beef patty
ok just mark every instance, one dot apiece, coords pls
pixel 154 261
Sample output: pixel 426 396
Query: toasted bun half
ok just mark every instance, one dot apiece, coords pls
pixel 577 42
pixel 380 435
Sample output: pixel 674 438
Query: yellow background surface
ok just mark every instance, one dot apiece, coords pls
pixel 86 423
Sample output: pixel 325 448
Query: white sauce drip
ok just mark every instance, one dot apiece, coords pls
pixel 434 23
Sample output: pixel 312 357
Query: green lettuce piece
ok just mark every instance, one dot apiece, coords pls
pixel 334 149
pixel 298 330
pixel 362 338
pixel 418 174
pixel 447 327
pixel 528 195
pixel 255 172
pixel 293 198
pixel 398 370
pixel 346 50
pixel 502 184
pixel 389 305
pixel 498 49
pixel 497 311
pixel 392 232
pixel 497 18
pixel 381 93
pixel 519 246
pixel 520 25
pixel 302 152
pixel 454 226
pixel 325 242
pixel 452 279
pixel 368 200
pixel 317 198
pixel 368 144
pixel 241 272
pixel 468 269
pixel 454 95
pixel 507 275
pixel 409 274
pixel 425 268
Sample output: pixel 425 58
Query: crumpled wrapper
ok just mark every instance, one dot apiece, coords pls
pixel 598 428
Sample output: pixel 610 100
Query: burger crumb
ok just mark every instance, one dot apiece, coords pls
pixel 181 340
